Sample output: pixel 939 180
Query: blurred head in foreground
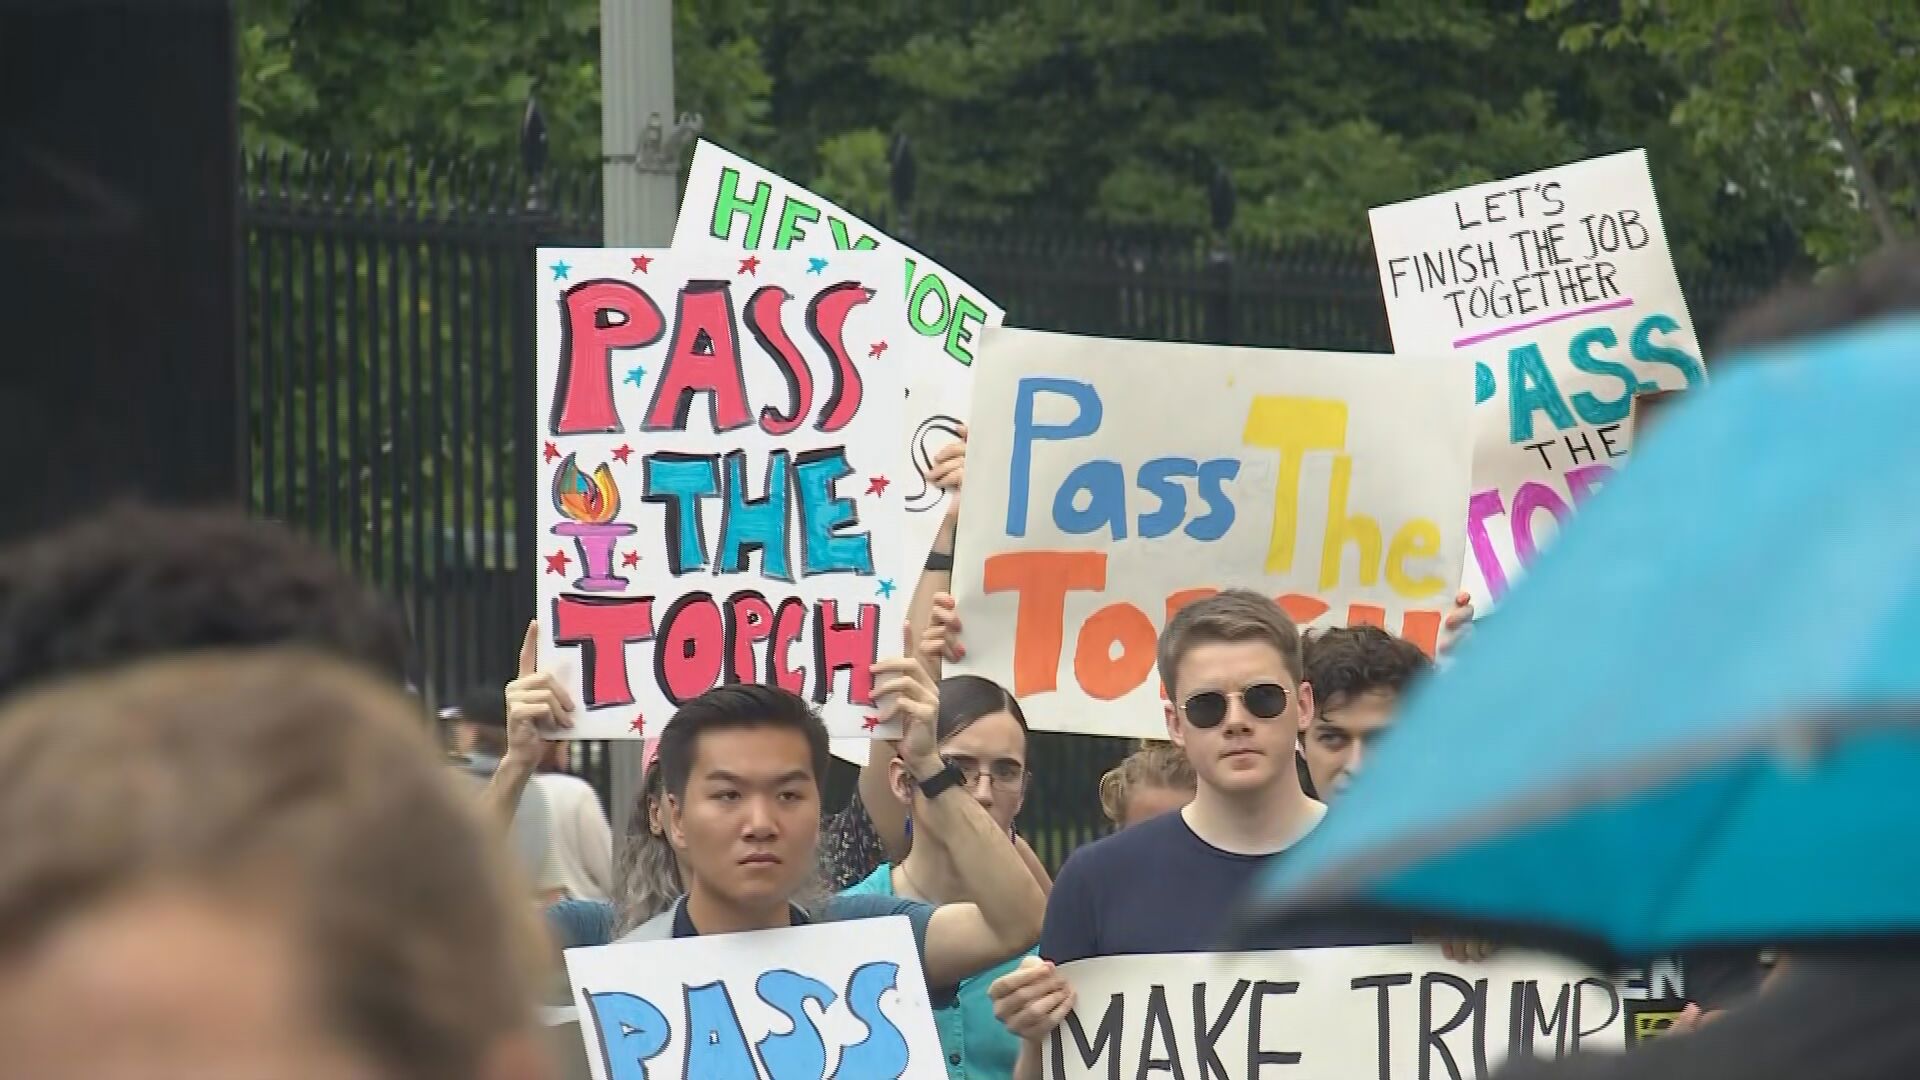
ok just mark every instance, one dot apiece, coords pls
pixel 138 581
pixel 1883 284
pixel 249 865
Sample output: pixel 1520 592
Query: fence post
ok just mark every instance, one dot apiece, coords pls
pixel 901 174
pixel 1221 207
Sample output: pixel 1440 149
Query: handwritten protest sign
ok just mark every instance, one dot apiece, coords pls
pixel 1109 482
pixel 1397 1012
pixel 730 200
pixel 807 1003
pixel 719 479
pixel 1560 286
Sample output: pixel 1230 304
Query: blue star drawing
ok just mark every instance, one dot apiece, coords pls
pixel 816 265
pixel 886 587
pixel 635 374
pixel 560 271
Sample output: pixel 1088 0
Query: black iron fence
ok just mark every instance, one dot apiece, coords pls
pixel 388 379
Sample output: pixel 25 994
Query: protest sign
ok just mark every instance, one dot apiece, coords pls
pixel 1109 482
pixel 1560 286
pixel 843 999
pixel 718 479
pixel 1397 1012
pixel 733 202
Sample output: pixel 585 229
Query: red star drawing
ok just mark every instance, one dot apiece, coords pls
pixel 631 558
pixel 874 350
pixel 750 265
pixel 641 262
pixel 877 485
pixel 551 452
pixel 557 562
pixel 639 725
pixel 871 723
pixel 620 453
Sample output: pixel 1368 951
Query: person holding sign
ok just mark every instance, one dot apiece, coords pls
pixel 742 765
pixel 1237 704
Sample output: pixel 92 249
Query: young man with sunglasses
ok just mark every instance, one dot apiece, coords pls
pixel 1237 705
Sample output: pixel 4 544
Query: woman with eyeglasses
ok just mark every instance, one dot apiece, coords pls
pixel 982 733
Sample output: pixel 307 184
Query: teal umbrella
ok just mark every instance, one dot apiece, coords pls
pixel 1695 723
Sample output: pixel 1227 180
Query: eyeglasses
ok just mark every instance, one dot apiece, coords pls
pixel 1208 708
pixel 1003 774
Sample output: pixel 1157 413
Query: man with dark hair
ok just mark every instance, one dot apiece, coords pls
pixel 742 766
pixel 1358 675
pixel 139 581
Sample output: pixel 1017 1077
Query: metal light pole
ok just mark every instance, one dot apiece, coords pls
pixel 640 167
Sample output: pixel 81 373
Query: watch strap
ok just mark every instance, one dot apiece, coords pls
pixel 947 777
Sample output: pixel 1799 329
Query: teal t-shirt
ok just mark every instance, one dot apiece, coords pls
pixel 977 1046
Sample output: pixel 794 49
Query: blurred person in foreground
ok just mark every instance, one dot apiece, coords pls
pixel 250 864
pixel 138 581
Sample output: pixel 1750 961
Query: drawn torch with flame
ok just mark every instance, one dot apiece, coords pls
pixel 590 502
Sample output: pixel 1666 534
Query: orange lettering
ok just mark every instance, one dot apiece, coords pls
pixel 1300 608
pixel 1103 675
pixel 1041 581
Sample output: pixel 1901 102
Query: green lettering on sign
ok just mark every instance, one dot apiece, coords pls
pixel 728 203
pixel 792 213
pixel 958 335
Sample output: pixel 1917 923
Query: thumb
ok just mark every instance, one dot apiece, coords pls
pixel 530 649
pixel 906 640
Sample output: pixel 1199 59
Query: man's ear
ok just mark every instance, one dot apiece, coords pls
pixel 1176 728
pixel 670 818
pixel 1306 706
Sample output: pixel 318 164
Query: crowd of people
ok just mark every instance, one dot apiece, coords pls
pixel 233 847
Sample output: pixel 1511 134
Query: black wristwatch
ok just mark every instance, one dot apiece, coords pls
pixel 940 561
pixel 949 776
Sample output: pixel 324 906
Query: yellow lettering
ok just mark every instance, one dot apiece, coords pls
pixel 1295 426
pixel 1344 529
pixel 1417 539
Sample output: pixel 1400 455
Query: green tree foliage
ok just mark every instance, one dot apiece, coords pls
pixel 1811 107
pixel 1119 112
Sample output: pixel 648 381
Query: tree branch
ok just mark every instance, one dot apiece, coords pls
pixel 1827 100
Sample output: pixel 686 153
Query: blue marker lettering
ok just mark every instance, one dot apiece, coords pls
pixel 1026 432
pixel 1483 387
pixel 1219 516
pixel 1105 485
pixel 679 482
pixel 1532 389
pixel 1643 349
pixel 882 1055
pixel 798 1054
pixel 631 1031
pixel 824 547
pixel 1591 408
pixel 747 524
pixel 716 1047
pixel 1156 479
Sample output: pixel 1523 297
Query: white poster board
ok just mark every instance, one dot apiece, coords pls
pixel 716 469
pixel 841 999
pixel 731 202
pixel 1397 1012
pixel 1560 286
pixel 1109 482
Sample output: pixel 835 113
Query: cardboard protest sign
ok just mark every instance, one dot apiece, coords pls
pixel 719 479
pixel 806 1003
pixel 1398 1012
pixel 1560 286
pixel 1109 482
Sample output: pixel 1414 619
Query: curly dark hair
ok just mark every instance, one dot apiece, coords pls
pixel 1344 663
pixel 139 581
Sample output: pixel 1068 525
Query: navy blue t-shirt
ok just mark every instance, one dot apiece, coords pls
pixel 1158 888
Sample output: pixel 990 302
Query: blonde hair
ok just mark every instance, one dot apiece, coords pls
pixel 1154 764
pixel 285 781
